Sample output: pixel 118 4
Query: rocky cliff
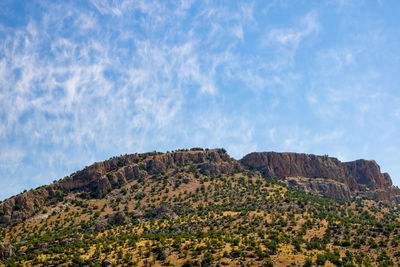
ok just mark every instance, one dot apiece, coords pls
pixel 360 175
pixel 102 177
pixel 339 180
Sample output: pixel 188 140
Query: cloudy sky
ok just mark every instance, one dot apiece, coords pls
pixel 81 81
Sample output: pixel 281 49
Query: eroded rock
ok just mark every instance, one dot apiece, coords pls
pixel 359 176
pixel 320 186
pixel 6 251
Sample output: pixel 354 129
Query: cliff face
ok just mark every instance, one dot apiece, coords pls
pixel 25 205
pixel 339 181
pixel 100 178
pixel 359 175
pixel 367 173
pixel 279 165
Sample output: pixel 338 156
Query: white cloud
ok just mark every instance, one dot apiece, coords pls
pixel 81 83
pixel 234 134
pixel 238 31
pixel 11 158
pixel 69 100
pixel 293 36
pixel 334 61
pixel 109 7
pixel 343 5
pixel 320 138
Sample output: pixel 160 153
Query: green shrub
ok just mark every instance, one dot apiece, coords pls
pixel 321 259
pixel 207 259
pixel 308 262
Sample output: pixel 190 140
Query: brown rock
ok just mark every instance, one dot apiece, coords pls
pixel 367 173
pixel 359 175
pixel 6 251
pixel 100 178
pixel 24 205
pixel 280 165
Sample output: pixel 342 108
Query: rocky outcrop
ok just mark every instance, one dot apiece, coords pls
pixel 391 194
pixel 360 175
pixel 104 176
pixel 25 205
pixel 279 165
pixel 6 251
pixel 367 173
pixel 101 177
pixel 321 187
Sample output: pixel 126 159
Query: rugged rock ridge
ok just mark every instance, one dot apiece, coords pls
pixel 338 180
pixel 360 175
pixel 367 173
pixel 100 178
pixel 22 206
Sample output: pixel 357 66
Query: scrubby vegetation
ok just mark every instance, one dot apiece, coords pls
pixel 184 217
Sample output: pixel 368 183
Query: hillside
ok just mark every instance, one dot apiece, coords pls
pixel 202 207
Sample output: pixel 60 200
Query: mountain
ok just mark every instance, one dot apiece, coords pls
pixel 361 177
pixel 202 207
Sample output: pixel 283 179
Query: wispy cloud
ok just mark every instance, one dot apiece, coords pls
pixel 82 82
pixel 294 35
pixel 76 88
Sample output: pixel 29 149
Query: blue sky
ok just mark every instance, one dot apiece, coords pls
pixel 81 81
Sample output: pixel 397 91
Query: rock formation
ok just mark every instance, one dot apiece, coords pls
pixel 320 186
pixel 340 180
pixel 360 175
pixel 101 177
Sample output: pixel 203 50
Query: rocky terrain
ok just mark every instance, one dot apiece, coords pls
pixel 101 178
pixel 357 176
pixel 271 208
pixel 320 186
pixel 361 176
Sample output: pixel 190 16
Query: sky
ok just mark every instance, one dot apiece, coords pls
pixel 82 81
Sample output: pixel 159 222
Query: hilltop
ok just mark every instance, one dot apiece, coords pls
pixel 202 207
